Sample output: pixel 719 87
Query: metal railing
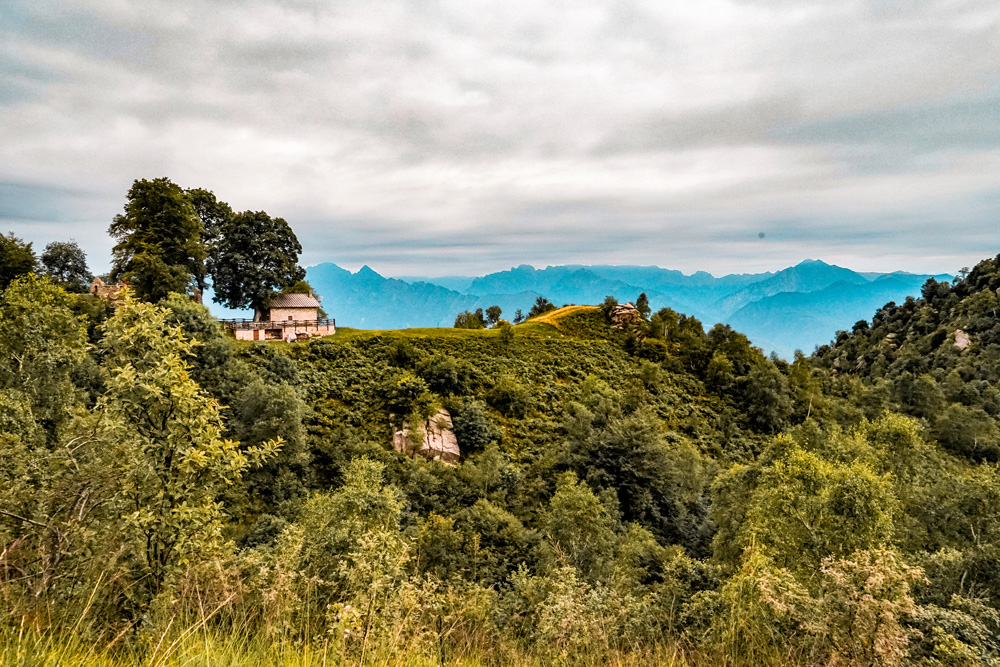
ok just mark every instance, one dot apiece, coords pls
pixel 279 324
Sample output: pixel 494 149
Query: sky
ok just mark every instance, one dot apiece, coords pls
pixel 427 137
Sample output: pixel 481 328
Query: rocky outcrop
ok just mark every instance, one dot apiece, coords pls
pixel 625 315
pixel 962 339
pixel 434 440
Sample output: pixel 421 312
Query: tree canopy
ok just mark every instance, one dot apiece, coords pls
pixel 16 259
pixel 66 263
pixel 160 247
pixel 253 256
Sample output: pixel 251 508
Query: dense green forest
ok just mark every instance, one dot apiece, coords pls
pixel 650 494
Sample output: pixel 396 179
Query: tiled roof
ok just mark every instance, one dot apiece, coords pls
pixel 293 301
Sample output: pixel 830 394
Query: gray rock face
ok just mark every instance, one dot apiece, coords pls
pixel 435 440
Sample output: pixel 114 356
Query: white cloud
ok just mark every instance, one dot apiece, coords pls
pixel 485 134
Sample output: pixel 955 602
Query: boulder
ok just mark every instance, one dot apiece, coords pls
pixel 962 339
pixel 436 441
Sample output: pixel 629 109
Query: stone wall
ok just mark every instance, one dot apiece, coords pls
pixel 285 314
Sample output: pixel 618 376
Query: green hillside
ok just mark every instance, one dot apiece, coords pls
pixel 655 494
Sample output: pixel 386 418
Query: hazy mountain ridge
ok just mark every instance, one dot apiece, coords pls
pixel 790 321
pixel 807 276
pixel 799 307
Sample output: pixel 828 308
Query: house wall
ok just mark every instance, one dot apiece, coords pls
pixel 285 332
pixel 283 314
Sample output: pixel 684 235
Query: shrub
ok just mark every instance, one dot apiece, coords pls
pixel 510 397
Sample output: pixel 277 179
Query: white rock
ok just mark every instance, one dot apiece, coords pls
pixel 961 339
pixel 439 441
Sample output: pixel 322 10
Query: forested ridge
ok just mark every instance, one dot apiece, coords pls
pixel 651 494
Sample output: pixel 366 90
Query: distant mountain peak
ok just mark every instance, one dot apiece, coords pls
pixel 369 275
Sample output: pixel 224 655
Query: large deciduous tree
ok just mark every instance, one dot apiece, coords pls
pixel 16 259
pixel 41 343
pixel 165 434
pixel 214 213
pixel 66 263
pixel 160 247
pixel 493 314
pixel 253 256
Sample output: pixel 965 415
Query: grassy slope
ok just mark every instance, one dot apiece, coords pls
pixel 560 322
pixel 555 317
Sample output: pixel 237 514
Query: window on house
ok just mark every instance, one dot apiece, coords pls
pixel 289 317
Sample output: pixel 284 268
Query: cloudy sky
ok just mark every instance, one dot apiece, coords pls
pixel 459 137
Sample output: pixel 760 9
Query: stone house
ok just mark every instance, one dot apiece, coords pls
pixel 286 317
pixel 102 290
pixel 112 293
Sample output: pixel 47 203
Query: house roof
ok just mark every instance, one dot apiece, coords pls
pixel 293 301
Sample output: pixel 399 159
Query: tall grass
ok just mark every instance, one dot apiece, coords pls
pixel 196 647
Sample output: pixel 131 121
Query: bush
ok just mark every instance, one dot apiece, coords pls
pixel 446 375
pixel 541 306
pixel 472 425
pixel 652 349
pixel 510 397
pixel 468 320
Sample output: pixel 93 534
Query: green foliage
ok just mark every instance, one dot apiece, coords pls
pixel 473 426
pixel 642 305
pixel 866 608
pixel 540 307
pixel 403 354
pixel 608 305
pixel 469 320
pixel 408 394
pixel 215 215
pixel 16 259
pixel 657 481
pixel 42 342
pixel 652 497
pixel 493 314
pixel 579 530
pixel 262 413
pixel 165 436
pixel 510 397
pixel 652 349
pixel 757 615
pixel 766 398
pixel 350 545
pixel 445 375
pixel 911 351
pixel 506 335
pixel 968 431
pixel 160 248
pixel 803 507
pixel 66 263
pixel 252 256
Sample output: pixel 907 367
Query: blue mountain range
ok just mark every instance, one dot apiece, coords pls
pixel 800 307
